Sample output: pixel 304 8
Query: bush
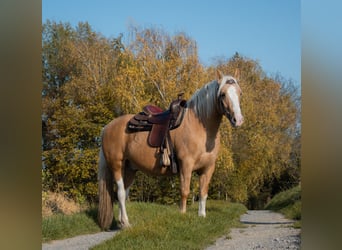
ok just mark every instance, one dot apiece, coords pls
pixel 287 202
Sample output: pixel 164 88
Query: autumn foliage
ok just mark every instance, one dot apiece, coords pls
pixel 89 79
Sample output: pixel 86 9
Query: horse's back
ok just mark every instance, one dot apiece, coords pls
pixel 119 144
pixel 117 127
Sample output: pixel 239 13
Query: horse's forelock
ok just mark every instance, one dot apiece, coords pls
pixel 224 81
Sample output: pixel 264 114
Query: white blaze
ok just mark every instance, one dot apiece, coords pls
pixel 236 105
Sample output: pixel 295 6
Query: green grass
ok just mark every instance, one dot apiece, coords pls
pixel 163 227
pixel 288 203
pixel 60 226
pixel 154 226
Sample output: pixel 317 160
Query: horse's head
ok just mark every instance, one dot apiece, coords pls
pixel 228 94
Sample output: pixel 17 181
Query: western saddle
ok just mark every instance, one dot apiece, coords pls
pixel 159 123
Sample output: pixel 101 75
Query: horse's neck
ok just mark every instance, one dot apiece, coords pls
pixel 210 125
pixel 213 125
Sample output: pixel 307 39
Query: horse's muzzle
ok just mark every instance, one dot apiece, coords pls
pixel 238 119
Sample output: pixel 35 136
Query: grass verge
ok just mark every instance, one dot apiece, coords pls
pixel 163 227
pixel 288 203
pixel 60 226
pixel 154 226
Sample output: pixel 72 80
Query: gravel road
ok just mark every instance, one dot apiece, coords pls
pixel 264 230
pixel 81 242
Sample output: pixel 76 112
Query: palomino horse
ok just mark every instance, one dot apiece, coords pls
pixel 196 143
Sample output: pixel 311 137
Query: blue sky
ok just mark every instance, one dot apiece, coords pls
pixel 264 30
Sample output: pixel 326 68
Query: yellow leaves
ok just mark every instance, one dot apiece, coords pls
pixel 261 147
pixel 164 62
pixel 94 81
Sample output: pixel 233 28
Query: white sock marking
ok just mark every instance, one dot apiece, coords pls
pixel 201 206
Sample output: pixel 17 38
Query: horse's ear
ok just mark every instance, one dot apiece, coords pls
pixel 237 74
pixel 219 76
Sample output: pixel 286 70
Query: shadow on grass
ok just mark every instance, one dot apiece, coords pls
pixel 92 214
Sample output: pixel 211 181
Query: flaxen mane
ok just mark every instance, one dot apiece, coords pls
pixel 204 101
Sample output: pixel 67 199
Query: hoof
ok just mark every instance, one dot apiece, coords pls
pixel 182 211
pixel 125 225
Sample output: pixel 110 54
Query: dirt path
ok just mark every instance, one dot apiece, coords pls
pixel 81 242
pixel 264 230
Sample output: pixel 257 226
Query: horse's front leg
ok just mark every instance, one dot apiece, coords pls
pixel 204 180
pixel 185 178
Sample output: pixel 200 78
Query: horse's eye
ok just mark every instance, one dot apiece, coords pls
pixel 223 95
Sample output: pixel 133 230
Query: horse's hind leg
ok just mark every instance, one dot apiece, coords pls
pixel 128 179
pixel 129 174
pixel 123 218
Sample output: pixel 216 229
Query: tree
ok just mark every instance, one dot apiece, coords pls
pixel 88 80
pixel 169 64
pixel 77 103
pixel 262 146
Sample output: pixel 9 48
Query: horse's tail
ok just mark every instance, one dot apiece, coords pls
pixel 106 193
